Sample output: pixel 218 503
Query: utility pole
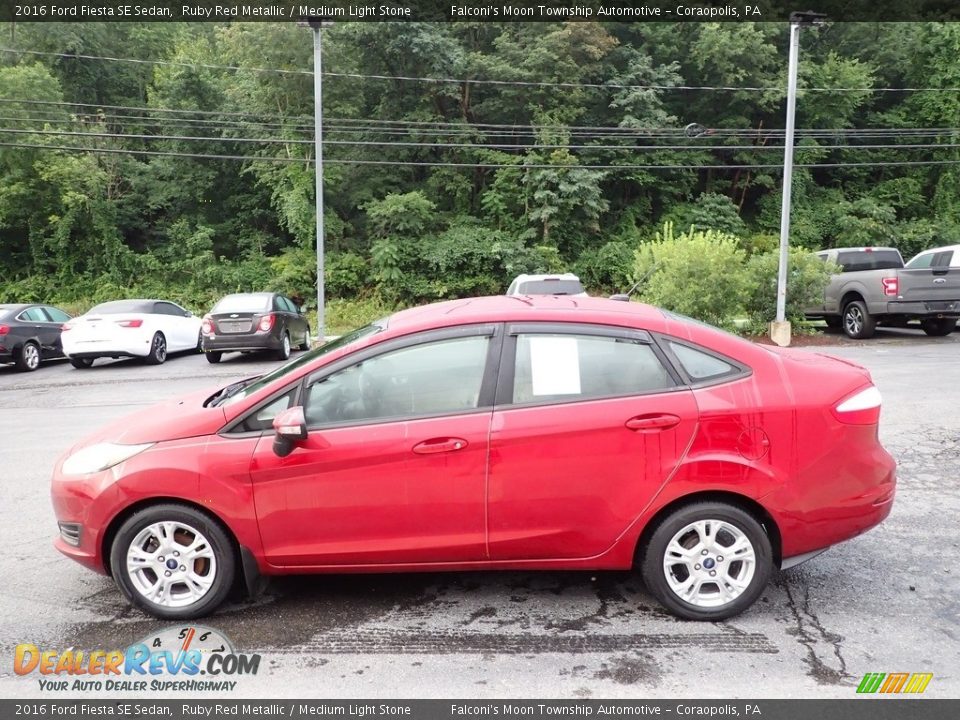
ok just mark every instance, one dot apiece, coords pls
pixel 780 328
pixel 316 24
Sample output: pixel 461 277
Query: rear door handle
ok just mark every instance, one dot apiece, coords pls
pixel 439 445
pixel 653 421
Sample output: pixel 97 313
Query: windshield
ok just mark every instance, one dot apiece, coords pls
pixel 242 303
pixel 551 287
pixel 246 390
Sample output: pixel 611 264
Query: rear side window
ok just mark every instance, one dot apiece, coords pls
pixel 561 367
pixel 701 366
pixel 34 315
pixel 856 260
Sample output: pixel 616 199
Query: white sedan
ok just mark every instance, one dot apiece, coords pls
pixel 146 329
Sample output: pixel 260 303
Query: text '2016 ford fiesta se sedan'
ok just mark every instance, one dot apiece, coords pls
pixel 491 433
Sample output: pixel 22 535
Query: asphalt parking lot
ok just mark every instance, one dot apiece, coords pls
pixel 888 601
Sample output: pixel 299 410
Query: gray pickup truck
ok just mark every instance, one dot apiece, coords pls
pixel 874 286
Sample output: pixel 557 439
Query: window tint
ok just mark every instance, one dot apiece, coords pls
pixel 430 379
pixel 34 315
pixel 578 367
pixel 57 315
pixel 855 260
pixel 942 259
pixel 121 306
pixel 921 261
pixel 165 308
pixel 287 304
pixel 700 365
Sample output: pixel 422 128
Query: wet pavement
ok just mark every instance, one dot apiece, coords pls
pixel 888 601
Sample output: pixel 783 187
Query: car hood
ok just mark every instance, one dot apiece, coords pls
pixel 175 419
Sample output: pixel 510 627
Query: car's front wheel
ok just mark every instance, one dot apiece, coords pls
pixel 305 345
pixel 29 358
pixel 81 363
pixel 173 561
pixel 708 561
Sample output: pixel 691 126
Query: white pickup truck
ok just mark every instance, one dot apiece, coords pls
pixel 875 286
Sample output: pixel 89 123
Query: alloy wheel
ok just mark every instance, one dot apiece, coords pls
pixel 171 564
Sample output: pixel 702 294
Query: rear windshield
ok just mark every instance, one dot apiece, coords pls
pixel 551 287
pixel 122 306
pixel 855 260
pixel 243 303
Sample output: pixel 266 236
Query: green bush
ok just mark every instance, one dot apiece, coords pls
pixel 606 269
pixel 700 273
pixel 807 278
pixel 342 316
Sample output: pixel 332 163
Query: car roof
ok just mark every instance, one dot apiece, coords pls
pixel 545 276
pixel 945 248
pixel 507 308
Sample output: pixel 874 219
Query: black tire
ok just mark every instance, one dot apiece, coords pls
pixel 158 350
pixel 833 322
pixel 305 345
pixel 200 342
pixel 284 352
pixel 28 359
pixel 730 521
pixel 213 357
pixel 81 363
pixel 938 327
pixel 218 560
pixel 858 323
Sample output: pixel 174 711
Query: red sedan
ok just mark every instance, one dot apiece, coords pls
pixel 491 433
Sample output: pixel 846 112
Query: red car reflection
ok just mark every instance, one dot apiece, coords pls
pixel 505 432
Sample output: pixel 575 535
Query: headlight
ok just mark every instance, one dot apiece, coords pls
pixel 100 457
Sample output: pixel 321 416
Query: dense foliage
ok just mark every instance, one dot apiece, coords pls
pixel 196 171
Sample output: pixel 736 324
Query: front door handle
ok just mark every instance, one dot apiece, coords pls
pixel 439 445
pixel 653 421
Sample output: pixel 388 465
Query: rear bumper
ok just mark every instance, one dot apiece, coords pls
pixel 939 308
pixel 239 342
pixel 134 347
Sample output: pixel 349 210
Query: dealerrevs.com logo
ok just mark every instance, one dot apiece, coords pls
pixel 178 659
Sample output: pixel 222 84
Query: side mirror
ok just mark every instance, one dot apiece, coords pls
pixel 290 427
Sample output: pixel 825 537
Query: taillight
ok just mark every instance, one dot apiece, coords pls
pixel 65 327
pixel 4 329
pixel 129 323
pixel 206 327
pixel 861 408
pixel 891 286
pixel 266 322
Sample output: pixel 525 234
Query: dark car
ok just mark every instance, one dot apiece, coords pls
pixel 29 334
pixel 245 322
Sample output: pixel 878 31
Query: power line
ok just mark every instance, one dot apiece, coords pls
pixel 473 81
pixel 470 146
pixel 515 166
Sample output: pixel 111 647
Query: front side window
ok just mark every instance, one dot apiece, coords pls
pixel 567 367
pixel 434 378
pixel 57 315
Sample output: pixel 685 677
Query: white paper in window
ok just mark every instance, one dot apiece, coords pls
pixel 554 366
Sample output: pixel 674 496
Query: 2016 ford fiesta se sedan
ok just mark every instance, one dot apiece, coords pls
pixel 492 433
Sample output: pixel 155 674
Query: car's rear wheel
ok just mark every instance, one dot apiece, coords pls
pixel 81 363
pixel 214 357
pixel 284 352
pixel 173 561
pixel 305 345
pixel 708 561
pixel 158 350
pixel 858 323
pixel 29 358
pixel 938 327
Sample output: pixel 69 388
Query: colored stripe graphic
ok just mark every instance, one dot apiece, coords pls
pixel 870 682
pixel 918 682
pixel 894 683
